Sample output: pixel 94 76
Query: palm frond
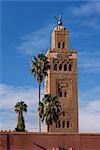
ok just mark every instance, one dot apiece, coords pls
pixel 52 109
pixel 40 67
pixel 20 107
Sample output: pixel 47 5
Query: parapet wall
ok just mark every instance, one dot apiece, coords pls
pixel 48 141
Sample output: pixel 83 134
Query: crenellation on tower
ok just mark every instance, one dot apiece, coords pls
pixel 62 80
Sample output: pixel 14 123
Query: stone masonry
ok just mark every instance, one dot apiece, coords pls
pixel 62 80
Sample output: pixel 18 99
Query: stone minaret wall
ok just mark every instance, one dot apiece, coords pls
pixel 62 80
pixel 60 34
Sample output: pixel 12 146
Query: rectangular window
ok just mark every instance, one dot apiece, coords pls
pixel 64 94
pixel 63 113
pixel 60 94
pixel 63 124
pixel 67 124
pixel 58 124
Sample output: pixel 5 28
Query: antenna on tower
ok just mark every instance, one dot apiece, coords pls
pixel 59 19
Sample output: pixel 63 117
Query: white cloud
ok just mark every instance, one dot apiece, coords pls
pixel 92 94
pixel 89 110
pixel 85 14
pixel 37 41
pixel 89 114
pixel 89 61
pixel 89 117
pixel 87 9
pixel 9 96
pixel 94 106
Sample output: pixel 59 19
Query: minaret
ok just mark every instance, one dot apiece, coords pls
pixel 62 79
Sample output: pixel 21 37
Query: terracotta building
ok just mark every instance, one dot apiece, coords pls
pixel 62 80
pixel 48 141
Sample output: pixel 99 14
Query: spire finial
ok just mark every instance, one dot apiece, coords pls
pixel 59 19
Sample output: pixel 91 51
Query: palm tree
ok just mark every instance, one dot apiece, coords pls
pixel 49 110
pixel 20 107
pixel 40 67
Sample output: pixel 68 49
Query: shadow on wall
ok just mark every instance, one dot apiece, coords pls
pixel 62 148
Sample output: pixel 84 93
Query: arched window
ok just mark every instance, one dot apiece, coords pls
pixel 60 67
pixel 70 67
pixel 55 67
pixel 63 45
pixel 65 94
pixel 63 113
pixel 67 124
pixel 63 124
pixel 58 44
pixel 59 124
pixel 60 94
pixel 65 67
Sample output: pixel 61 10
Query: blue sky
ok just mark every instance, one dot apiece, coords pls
pixel 26 29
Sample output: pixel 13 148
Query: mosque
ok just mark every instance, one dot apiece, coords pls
pixel 62 81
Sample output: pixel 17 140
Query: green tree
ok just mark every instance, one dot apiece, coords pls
pixel 49 110
pixel 20 107
pixel 40 67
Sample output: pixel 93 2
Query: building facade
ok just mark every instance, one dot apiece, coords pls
pixel 62 80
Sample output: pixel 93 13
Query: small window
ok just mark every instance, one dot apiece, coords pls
pixel 55 67
pixel 60 67
pixel 67 124
pixel 65 94
pixel 63 113
pixel 60 94
pixel 58 44
pixel 70 67
pixel 58 124
pixel 63 45
pixel 63 124
pixel 65 67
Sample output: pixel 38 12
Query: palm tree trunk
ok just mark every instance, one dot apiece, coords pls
pixel 47 127
pixel 39 121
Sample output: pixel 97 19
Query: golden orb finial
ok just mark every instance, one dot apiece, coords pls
pixel 59 19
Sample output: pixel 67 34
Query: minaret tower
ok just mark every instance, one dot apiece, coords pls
pixel 62 79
